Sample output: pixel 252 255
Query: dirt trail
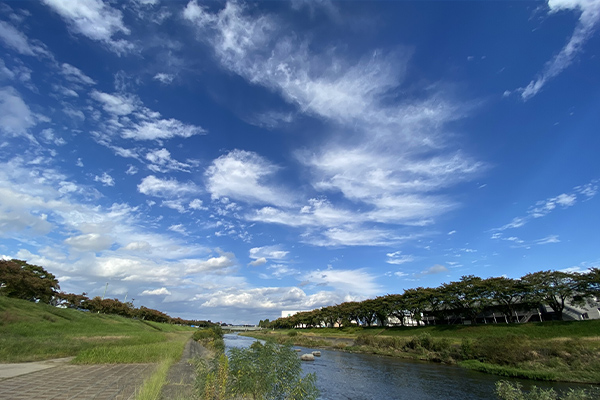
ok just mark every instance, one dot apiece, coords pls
pixel 181 377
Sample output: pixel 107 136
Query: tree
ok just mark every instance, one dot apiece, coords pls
pixel 265 324
pixel 588 285
pixel 397 306
pixel 553 288
pixel 366 312
pixel 27 281
pixel 349 312
pixel 72 300
pixel 467 297
pixel 415 302
pixel 381 308
pixel 508 295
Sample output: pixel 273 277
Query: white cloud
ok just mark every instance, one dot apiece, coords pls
pixel 116 104
pixel 197 204
pixel 179 228
pixel 131 120
pixel 75 75
pixel 161 161
pixel 589 190
pixel 174 205
pixel 220 264
pixel 356 281
pixel 279 271
pixel 105 179
pixel 272 298
pixel 138 246
pixel 164 78
pixel 15 116
pixel 153 186
pixel 268 252
pixel 16 40
pixel 389 164
pixel 90 242
pixel 258 262
pixel 436 269
pixel 588 20
pixel 245 176
pixel 398 258
pixel 545 207
pixel 162 129
pixel 548 239
pixel 96 20
pixel 156 292
pixel 131 170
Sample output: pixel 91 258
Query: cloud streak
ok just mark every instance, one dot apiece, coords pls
pixel 586 26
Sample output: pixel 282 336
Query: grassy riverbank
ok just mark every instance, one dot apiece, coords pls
pixel 32 332
pixel 558 351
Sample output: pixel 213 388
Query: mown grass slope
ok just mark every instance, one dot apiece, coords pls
pixel 31 332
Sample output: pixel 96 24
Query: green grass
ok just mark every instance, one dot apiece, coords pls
pixel 533 330
pixel 152 387
pixel 508 371
pixel 32 332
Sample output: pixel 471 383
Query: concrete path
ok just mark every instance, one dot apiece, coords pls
pixel 75 382
pixel 16 369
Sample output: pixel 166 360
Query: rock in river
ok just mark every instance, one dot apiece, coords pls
pixel 307 357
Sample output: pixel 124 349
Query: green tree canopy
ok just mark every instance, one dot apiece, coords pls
pixel 27 281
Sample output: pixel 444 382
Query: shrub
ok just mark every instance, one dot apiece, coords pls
pixel 268 371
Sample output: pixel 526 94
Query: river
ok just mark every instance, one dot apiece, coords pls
pixel 347 376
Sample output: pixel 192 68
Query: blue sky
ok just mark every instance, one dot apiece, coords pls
pixel 228 160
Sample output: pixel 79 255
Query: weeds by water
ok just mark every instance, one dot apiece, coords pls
pixel 509 391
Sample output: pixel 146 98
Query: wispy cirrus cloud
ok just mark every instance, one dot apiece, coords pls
pixel 391 163
pixel 19 42
pixel 562 201
pixel 586 26
pixel 354 281
pixel 95 20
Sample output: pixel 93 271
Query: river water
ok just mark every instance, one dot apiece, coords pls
pixel 347 376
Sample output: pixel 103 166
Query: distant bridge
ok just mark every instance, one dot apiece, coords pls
pixel 241 328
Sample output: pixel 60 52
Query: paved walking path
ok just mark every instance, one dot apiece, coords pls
pixel 77 382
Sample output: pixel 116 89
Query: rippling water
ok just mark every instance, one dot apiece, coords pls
pixel 342 376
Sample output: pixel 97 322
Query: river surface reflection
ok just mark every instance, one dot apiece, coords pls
pixel 343 376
